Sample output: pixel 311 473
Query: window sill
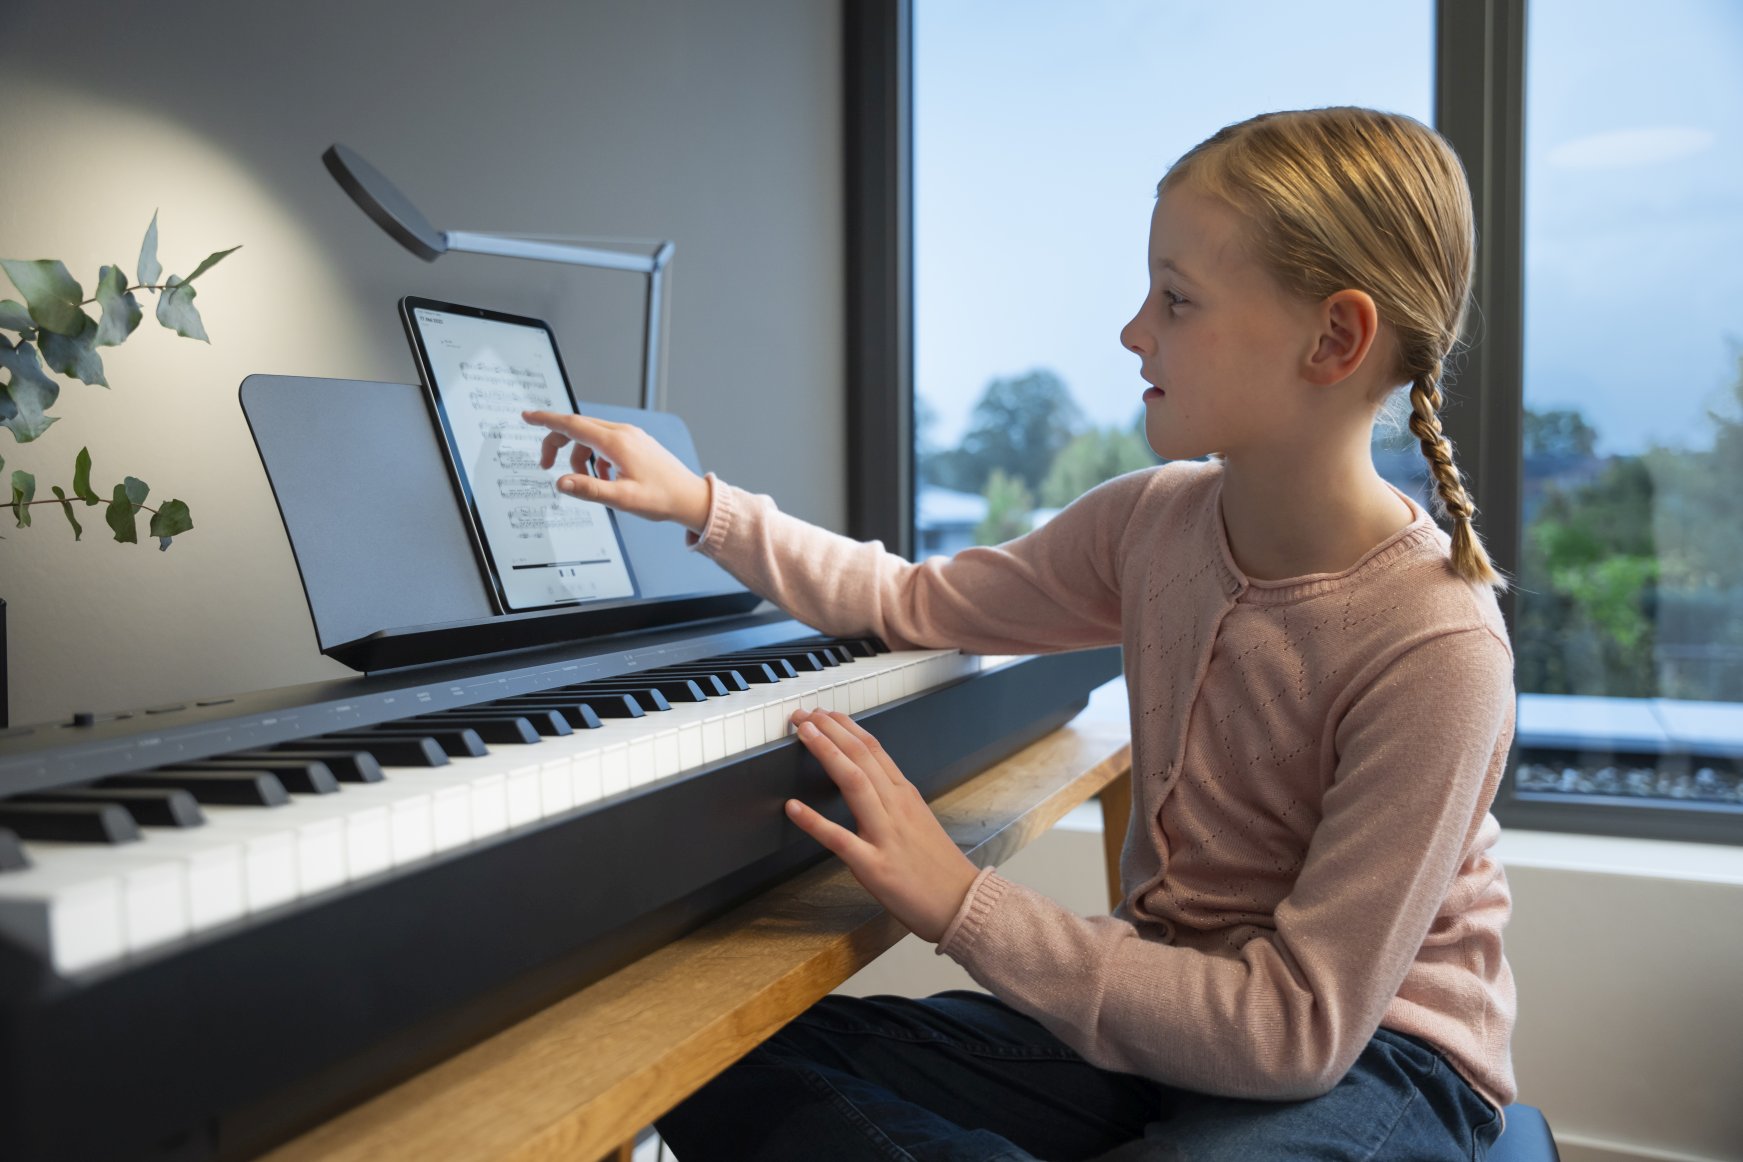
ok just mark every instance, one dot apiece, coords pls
pixel 1612 855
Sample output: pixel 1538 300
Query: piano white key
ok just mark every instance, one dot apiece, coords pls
pixel 217 893
pixel 153 889
pixel 70 916
pixel 316 839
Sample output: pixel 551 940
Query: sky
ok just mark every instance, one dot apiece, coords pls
pixel 1041 129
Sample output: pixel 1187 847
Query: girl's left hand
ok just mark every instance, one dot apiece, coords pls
pixel 901 855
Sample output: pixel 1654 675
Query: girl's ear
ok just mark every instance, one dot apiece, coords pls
pixel 1348 322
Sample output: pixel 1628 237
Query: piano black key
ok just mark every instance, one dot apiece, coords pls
pixel 167 807
pixel 12 857
pixel 348 766
pixel 459 741
pixel 69 822
pixel 714 683
pixel 612 705
pixel 503 728
pixel 225 788
pixel 578 715
pixel 671 689
pixel 781 667
pixel 646 698
pixel 299 776
pixel 389 752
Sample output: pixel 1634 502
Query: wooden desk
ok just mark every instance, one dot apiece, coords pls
pixel 581 1078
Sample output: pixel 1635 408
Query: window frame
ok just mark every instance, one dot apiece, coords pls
pixel 1479 105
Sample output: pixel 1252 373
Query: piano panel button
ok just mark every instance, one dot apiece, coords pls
pixel 12 857
pixel 456 742
pixel 171 807
pixel 67 915
pixel 501 728
pixel 299 776
pixel 69 822
pixel 227 788
pixel 154 891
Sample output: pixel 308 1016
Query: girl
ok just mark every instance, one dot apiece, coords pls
pixel 1307 960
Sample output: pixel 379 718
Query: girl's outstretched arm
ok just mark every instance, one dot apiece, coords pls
pixel 1055 589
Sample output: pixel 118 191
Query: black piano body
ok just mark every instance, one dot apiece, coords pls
pixel 227 1042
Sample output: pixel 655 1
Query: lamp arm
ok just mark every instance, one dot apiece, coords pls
pixel 472 243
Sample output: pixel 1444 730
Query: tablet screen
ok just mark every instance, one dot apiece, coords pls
pixel 538 547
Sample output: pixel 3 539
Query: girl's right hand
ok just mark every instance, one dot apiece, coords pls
pixel 632 471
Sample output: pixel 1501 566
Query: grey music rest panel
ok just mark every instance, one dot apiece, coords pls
pixel 374 522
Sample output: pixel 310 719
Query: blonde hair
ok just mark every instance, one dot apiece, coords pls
pixel 1355 198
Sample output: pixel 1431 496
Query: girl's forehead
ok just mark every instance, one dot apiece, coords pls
pixel 1195 234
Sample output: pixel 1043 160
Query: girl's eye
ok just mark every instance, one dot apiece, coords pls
pixel 1174 299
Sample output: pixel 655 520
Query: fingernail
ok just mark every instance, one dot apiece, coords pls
pixel 807 728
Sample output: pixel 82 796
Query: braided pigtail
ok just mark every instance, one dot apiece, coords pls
pixel 1470 560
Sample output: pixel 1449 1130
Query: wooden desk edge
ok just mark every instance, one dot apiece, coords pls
pixel 567 1083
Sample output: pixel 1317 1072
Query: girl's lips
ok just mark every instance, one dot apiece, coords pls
pixel 1153 393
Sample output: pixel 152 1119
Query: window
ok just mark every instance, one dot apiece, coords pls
pixel 1629 617
pixel 1040 132
pixel 1599 410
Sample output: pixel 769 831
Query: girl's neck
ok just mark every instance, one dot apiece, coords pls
pixel 1288 519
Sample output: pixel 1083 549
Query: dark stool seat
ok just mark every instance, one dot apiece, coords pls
pixel 1526 1138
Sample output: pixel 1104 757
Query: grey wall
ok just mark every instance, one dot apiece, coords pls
pixel 717 125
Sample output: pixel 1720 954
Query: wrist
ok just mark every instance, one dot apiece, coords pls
pixel 699 502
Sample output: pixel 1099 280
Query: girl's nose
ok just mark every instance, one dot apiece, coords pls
pixel 1131 338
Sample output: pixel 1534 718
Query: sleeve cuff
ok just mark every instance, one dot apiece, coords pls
pixel 719 522
pixel 983 896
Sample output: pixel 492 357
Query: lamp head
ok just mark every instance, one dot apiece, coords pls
pixel 383 202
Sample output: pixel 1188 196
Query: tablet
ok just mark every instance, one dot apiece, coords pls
pixel 537 548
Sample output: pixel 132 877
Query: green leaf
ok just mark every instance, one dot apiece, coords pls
pixel 171 518
pixel 28 396
pixel 23 491
pixel 129 495
pixel 67 507
pixel 121 312
pixel 211 261
pixel 175 310
pixel 53 294
pixel 82 478
pixel 149 268
pixel 14 317
pixel 75 354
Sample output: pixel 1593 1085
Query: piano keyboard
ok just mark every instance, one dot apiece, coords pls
pixel 133 863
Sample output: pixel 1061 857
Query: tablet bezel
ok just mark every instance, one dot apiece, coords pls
pixel 408 305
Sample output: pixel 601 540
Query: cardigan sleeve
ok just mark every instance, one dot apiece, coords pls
pixel 1418 757
pixel 1056 588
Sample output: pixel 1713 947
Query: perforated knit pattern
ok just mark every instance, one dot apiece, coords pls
pixel 1313 762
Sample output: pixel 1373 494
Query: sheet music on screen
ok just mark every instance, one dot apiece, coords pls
pixel 548 547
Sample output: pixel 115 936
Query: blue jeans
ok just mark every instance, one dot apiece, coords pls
pixel 962 1076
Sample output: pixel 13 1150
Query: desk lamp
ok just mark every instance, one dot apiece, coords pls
pixel 394 213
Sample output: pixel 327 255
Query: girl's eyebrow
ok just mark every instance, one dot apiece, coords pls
pixel 1170 264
